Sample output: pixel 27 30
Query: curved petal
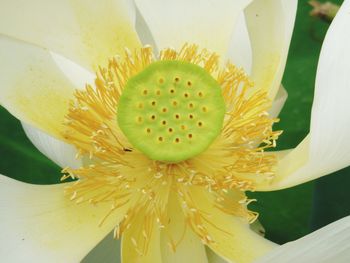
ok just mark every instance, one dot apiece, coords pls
pixel 39 224
pixel 270 25
pixel 278 102
pixel 234 240
pixel 134 240
pixel 206 23
pixel 240 50
pixel 329 244
pixel 107 251
pixel 213 258
pixel 63 154
pixel 85 31
pixel 178 243
pixel 33 86
pixel 326 149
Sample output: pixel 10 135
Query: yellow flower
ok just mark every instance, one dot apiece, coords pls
pixel 169 173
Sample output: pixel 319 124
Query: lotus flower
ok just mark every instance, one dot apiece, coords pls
pixel 165 139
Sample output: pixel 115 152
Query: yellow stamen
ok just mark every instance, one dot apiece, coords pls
pixel 122 176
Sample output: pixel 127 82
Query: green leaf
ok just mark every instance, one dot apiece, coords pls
pixel 19 158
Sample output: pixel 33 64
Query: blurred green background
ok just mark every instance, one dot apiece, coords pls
pixel 287 214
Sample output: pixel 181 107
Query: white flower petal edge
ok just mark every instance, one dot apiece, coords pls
pixel 85 31
pixel 329 244
pixel 45 226
pixel 207 23
pixel 57 150
pixel 240 51
pixel 278 103
pixel 63 154
pixel 326 148
pixel 191 247
pixel 33 85
pixel 107 251
pixel 270 25
pixel 214 258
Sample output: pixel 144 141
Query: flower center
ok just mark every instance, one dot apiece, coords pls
pixel 148 113
pixel 171 111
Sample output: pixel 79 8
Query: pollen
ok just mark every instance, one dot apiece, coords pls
pixel 172 126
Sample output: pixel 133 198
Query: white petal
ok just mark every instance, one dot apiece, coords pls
pixel 190 245
pixel 279 102
pixel 270 25
pixel 33 86
pixel 206 23
pixel 86 31
pixel 133 242
pixel 214 258
pixel 326 149
pixel 234 240
pixel 63 154
pixel 78 75
pixel 39 224
pixel 107 251
pixel 240 50
pixel 330 118
pixel 330 244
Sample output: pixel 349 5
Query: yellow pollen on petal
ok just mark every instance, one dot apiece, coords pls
pixel 134 185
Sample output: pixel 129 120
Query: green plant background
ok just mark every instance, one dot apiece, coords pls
pixel 287 214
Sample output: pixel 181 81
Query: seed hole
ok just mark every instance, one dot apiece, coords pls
pixel 161 80
pixel 145 92
pixel 200 124
pixel 154 103
pixel 164 110
pixel 177 116
pixel 139 119
pixel 172 91
pixel 189 83
pixel 158 92
pixel 186 95
pixel 191 105
pixel 170 130
pixel 190 136
pixel 204 109
pixel 177 79
pixel 160 139
pixel 177 140
pixel 164 122
pixel 148 130
pixel 183 127
pixel 200 94
pixel 190 116
pixel 174 103
pixel 153 117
